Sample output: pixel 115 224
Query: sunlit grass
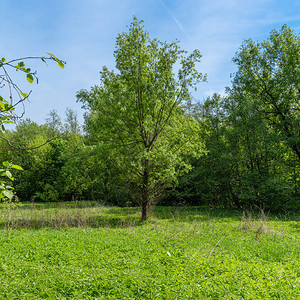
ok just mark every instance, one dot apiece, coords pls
pixel 87 251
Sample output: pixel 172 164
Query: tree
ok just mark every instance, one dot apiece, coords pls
pixel 252 134
pixel 72 125
pixel 269 73
pixel 54 122
pixel 246 164
pixel 137 112
pixel 7 107
pixel 259 175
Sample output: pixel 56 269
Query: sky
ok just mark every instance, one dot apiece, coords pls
pixel 83 33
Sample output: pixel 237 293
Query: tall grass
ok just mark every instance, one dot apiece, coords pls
pixel 63 215
pixel 84 214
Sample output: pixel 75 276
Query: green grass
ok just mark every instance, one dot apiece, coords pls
pixel 71 251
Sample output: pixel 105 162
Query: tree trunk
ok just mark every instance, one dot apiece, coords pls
pixel 145 191
pixel 234 197
pixel 144 212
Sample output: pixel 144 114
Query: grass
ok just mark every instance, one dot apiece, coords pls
pixel 86 251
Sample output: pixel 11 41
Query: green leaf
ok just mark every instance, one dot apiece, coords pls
pixel 25 95
pixel 17 167
pixel 29 78
pixel 8 194
pixel 5 163
pixel 9 175
pixel 20 65
pixel 60 64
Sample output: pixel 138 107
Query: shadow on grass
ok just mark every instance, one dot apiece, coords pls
pixel 63 223
pixel 60 216
pixel 57 205
pixel 192 213
pixel 123 211
pixel 105 217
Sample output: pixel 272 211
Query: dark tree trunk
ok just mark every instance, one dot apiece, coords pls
pixel 144 212
pixel 234 197
pixel 145 191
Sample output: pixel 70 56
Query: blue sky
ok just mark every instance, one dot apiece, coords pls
pixel 83 33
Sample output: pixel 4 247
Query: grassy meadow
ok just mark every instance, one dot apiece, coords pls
pixel 87 251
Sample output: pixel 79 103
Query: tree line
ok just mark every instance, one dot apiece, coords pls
pixel 145 139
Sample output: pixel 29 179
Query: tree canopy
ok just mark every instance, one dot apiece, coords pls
pixel 268 73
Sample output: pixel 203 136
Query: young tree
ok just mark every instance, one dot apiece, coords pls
pixel 138 111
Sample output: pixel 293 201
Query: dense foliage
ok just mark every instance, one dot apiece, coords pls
pixel 252 134
pixel 143 135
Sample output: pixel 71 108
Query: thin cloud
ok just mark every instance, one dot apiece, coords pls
pixel 174 18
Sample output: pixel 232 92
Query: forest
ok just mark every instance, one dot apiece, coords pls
pixel 157 195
